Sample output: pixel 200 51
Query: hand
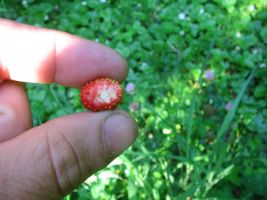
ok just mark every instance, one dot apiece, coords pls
pixel 49 161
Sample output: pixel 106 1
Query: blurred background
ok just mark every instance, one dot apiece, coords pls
pixel 197 87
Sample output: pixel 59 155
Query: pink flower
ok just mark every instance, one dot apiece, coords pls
pixel 209 75
pixel 134 106
pixel 130 87
pixel 228 106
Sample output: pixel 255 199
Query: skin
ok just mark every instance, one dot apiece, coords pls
pixel 49 161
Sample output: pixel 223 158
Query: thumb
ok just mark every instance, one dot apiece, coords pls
pixel 49 161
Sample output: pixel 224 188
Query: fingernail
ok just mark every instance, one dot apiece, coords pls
pixel 120 132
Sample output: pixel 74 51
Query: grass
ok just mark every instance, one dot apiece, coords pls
pixel 231 114
pixel 190 145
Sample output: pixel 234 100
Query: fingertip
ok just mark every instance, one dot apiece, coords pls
pixel 61 57
pixel 120 132
pixel 65 151
pixel 123 67
pixel 79 60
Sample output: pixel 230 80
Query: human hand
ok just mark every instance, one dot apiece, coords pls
pixel 49 161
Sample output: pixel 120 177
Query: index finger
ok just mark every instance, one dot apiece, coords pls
pixel 32 54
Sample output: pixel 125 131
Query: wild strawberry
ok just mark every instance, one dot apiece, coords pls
pixel 101 94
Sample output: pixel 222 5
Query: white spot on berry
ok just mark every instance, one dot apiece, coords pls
pixel 106 95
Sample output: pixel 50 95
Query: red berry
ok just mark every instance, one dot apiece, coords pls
pixel 101 94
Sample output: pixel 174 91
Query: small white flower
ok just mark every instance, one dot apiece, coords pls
pixel 150 136
pixel 126 171
pixel 251 8
pixel 144 66
pixel 46 18
pixel 182 33
pixel 84 3
pixel 182 16
pixel 201 11
pixel 237 48
pixel 166 131
pixel 56 7
pixel 262 65
pixel 238 34
pixel 255 51
pixel 24 2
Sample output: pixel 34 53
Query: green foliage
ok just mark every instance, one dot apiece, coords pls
pixel 189 145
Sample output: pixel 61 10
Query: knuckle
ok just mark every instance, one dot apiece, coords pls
pixel 64 163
